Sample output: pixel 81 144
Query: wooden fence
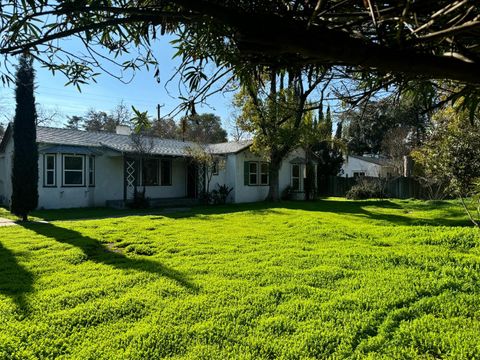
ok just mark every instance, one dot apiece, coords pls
pixel 400 187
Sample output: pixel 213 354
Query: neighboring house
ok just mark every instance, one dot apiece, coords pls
pixel 372 166
pixel 80 169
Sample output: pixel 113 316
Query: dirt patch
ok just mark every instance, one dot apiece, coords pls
pixel 7 222
pixel 112 248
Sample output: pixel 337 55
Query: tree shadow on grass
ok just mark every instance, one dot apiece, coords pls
pixel 15 280
pixel 371 209
pixel 400 212
pixel 100 253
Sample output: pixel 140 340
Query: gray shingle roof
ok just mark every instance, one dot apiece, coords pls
pixel 123 143
pixel 229 147
pixel 374 160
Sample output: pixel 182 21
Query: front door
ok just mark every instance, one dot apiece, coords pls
pixel 191 180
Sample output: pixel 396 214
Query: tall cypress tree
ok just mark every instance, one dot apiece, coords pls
pixel 25 151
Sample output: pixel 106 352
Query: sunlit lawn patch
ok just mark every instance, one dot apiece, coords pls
pixel 328 279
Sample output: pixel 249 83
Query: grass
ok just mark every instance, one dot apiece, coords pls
pixel 330 279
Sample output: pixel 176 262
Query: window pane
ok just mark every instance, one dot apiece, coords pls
pixel 253 179
pixel 150 172
pixel 50 178
pixel 50 162
pixel 73 163
pixel 264 179
pixel 73 177
pixel 253 167
pixel 295 170
pixel 166 172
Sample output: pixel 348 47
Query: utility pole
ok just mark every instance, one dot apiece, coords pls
pixel 158 110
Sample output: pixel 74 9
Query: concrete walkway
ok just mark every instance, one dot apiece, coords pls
pixel 7 222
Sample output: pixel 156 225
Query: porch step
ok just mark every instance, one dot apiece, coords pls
pixel 156 203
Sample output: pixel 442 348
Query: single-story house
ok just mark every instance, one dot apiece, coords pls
pixel 371 166
pixel 81 169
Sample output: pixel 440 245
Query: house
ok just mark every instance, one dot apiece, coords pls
pixel 81 169
pixel 371 166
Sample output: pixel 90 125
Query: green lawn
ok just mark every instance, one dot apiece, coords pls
pixel 330 279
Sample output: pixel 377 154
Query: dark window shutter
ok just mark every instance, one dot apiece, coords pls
pixel 246 171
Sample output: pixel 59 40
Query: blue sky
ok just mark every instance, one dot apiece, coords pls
pixel 143 92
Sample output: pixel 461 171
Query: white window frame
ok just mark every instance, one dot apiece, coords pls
pixel 296 177
pixel 64 170
pixel 91 170
pixel 264 173
pixel 46 170
pixel 250 173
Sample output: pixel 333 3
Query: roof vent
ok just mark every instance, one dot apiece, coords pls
pixel 123 130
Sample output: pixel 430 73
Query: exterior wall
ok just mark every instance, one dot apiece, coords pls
pixel 109 180
pixel 226 176
pixel 6 160
pixel 352 165
pixel 108 185
pixel 178 187
pixel 286 170
pixel 251 193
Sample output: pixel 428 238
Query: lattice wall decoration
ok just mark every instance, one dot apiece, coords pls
pixel 200 179
pixel 130 178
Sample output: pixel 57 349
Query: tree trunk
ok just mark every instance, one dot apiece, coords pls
pixel 274 187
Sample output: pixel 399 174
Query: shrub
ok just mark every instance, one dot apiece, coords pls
pixel 367 188
pixel 220 195
pixel 286 193
pixel 140 201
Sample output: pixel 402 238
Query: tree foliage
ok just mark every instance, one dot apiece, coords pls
pixel 367 128
pixel 274 104
pixel 320 148
pixel 165 128
pixel 202 128
pixel 369 40
pixel 451 155
pixel 95 120
pixel 25 152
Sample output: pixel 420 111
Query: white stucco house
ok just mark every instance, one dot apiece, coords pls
pixel 371 166
pixel 81 169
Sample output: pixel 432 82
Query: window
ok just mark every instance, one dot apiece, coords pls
pixel 215 168
pixel 91 171
pixel 264 173
pixel 358 173
pixel 252 173
pixel 256 173
pixel 73 170
pixel 49 178
pixel 166 172
pixel 150 172
pixel 295 177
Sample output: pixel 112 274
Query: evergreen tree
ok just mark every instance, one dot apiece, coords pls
pixel 328 124
pixel 25 153
pixel 74 122
pixel 338 131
